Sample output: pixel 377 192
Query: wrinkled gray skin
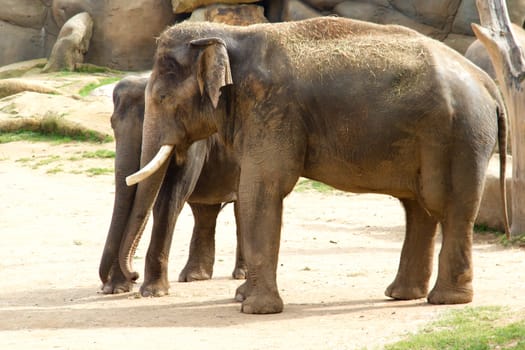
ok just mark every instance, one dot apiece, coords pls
pixel 207 179
pixel 359 106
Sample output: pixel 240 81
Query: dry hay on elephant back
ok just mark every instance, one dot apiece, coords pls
pixel 361 47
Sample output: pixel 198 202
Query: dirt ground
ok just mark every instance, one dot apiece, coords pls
pixel 338 254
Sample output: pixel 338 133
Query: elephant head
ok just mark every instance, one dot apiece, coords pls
pixel 182 99
pixel 184 84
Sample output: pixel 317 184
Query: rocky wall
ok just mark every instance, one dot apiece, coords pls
pixel 124 31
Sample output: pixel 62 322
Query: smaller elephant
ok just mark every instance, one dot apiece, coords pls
pixel 206 180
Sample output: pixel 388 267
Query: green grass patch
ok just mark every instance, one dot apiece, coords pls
pixel 46 161
pixel 304 185
pixel 55 170
pixel 515 241
pixel 99 154
pixel 471 328
pixel 89 68
pixel 99 171
pixel 86 90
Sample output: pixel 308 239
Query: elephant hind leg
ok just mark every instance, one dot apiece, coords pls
pixel 240 271
pixel 415 264
pixel 455 273
pixel 202 247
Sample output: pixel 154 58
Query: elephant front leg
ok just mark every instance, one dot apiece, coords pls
pixel 415 264
pixel 202 247
pixel 260 208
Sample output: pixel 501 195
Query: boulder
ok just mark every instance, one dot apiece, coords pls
pixel 18 69
pixel 437 14
pixel 14 86
pixel 72 44
pixel 230 14
pixel 24 13
pixel 296 11
pixel 185 6
pixel 323 5
pixel 125 30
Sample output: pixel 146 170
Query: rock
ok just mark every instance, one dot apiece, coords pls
pixel 14 86
pixel 24 13
pixel 31 108
pixel 516 9
pixel 72 44
pixel 323 5
pixel 185 6
pixel 490 211
pixel 296 11
pixel 438 14
pixel 230 14
pixel 125 31
pixel 63 10
pixel 27 30
pixel 20 68
pixel 459 42
pixel 380 14
pixel 467 14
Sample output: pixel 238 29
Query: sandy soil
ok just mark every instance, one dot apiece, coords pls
pixel 338 254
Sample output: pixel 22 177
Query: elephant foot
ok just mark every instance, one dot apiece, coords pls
pixel 401 291
pixel 155 289
pixel 240 273
pixel 242 292
pixel 195 273
pixel 262 304
pixel 451 295
pixel 117 287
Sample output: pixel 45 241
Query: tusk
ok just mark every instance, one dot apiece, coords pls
pixel 162 155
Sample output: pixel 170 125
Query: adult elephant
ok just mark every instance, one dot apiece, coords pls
pixel 207 179
pixel 360 106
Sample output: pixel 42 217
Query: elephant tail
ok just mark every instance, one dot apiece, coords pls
pixel 502 145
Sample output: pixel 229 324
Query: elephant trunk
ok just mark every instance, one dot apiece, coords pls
pixel 147 192
pixel 122 205
pixel 127 161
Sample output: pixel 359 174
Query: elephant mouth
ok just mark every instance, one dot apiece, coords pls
pixel 149 169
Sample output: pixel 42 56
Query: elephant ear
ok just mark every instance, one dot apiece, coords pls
pixel 213 67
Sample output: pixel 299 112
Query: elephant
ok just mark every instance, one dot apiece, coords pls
pixel 205 181
pixel 362 107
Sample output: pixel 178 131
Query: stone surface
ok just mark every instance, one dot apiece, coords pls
pixel 125 31
pixel 29 28
pixel 20 68
pixel 323 5
pixel 230 14
pixel 296 11
pixel 185 6
pixel 24 13
pixel 72 44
